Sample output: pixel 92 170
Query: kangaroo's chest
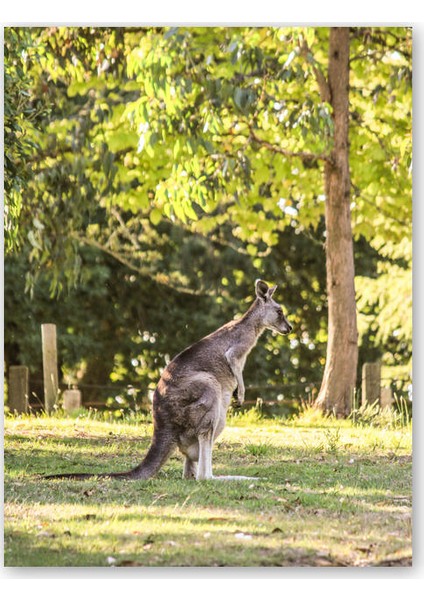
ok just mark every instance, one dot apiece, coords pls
pixel 236 354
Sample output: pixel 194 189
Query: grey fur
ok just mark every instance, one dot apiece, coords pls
pixel 193 395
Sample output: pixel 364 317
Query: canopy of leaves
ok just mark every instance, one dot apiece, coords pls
pixel 21 116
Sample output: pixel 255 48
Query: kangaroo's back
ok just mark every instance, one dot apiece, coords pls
pixel 207 354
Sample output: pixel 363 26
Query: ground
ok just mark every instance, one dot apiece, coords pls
pixel 330 493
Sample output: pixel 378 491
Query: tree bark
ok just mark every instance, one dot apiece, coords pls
pixel 342 347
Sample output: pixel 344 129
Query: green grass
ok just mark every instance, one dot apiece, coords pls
pixel 331 493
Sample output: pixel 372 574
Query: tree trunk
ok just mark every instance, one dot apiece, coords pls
pixel 342 348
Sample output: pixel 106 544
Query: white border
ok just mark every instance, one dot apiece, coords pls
pixel 249 583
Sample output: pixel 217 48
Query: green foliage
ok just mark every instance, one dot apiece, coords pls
pixel 208 106
pixel 22 113
pixel 382 184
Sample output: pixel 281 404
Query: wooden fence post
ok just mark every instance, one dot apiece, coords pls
pixel 371 382
pixel 18 389
pixel 386 398
pixel 50 373
pixel 71 400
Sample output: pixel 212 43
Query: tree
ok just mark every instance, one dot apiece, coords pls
pixel 342 351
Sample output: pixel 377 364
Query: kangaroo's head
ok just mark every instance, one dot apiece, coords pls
pixel 272 314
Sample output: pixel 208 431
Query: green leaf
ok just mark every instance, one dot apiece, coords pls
pixel 189 210
pixel 309 35
pixel 33 240
pixel 177 147
pixel 179 211
pixel 38 224
pixel 155 216
pixel 122 139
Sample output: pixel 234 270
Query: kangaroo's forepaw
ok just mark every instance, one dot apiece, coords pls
pixel 237 402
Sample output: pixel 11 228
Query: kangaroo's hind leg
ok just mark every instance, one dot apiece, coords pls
pixel 204 470
pixel 191 458
pixel 190 468
pixel 205 461
pixel 201 421
pixel 206 417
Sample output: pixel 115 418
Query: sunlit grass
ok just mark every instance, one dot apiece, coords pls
pixel 330 493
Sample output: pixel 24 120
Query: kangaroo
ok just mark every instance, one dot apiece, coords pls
pixel 194 393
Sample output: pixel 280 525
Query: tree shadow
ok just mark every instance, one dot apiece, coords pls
pixel 144 549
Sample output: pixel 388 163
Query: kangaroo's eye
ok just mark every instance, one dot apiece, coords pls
pixel 279 312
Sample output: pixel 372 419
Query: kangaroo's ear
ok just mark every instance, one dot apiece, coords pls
pixel 271 291
pixel 262 289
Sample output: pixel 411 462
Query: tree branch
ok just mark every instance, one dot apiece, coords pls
pixel 324 88
pixel 308 156
pixel 159 278
pixel 125 229
pixel 215 239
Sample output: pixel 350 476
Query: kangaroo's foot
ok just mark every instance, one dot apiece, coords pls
pixel 233 477
pixel 227 477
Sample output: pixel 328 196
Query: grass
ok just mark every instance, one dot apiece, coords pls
pixel 331 493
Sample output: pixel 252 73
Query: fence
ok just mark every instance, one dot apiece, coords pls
pixel 284 398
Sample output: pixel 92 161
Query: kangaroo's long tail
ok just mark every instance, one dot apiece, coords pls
pixel 163 443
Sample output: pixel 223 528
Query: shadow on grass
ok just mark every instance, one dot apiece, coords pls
pixel 143 548
pixel 62 454
pixel 156 542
